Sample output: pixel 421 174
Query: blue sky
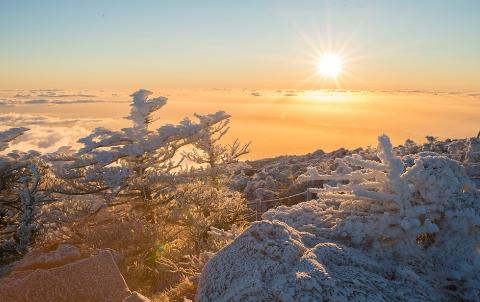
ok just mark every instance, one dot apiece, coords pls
pixel 424 44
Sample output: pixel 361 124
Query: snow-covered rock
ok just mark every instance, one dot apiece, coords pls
pixel 272 261
pixel 387 230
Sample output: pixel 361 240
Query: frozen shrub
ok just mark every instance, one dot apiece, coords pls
pixel 198 208
pixel 162 250
pixel 401 203
pixel 211 156
pixel 21 196
pixel 473 150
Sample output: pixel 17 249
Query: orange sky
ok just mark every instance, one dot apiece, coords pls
pixel 277 122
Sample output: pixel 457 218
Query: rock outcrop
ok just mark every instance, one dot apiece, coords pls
pixel 38 259
pixel 271 261
pixel 62 275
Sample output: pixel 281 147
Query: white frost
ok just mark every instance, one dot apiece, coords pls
pixel 380 231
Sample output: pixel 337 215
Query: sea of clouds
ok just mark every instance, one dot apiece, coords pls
pixel 60 117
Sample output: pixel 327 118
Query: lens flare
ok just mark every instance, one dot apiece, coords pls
pixel 329 65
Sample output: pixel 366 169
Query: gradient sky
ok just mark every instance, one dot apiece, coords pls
pixel 391 45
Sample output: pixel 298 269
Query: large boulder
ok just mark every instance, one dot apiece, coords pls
pixel 60 276
pixel 37 259
pixel 272 261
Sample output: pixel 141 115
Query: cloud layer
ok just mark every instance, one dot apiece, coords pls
pixel 17 102
pixel 47 133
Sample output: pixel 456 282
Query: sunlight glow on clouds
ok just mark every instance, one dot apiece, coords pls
pixel 46 133
pixel 263 116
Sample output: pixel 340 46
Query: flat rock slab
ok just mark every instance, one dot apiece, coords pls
pixel 65 253
pixel 96 278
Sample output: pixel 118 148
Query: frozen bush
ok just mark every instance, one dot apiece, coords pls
pixel 21 196
pixel 212 157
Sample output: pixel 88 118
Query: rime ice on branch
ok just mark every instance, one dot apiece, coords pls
pixel 9 135
pixel 135 160
pixel 143 107
pixel 404 202
pixel 20 196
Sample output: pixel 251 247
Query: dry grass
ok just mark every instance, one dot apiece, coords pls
pixel 185 289
pixel 160 249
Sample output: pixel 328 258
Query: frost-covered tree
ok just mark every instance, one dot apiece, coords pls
pixel 402 202
pixel 135 161
pixel 199 207
pixel 21 196
pixel 211 156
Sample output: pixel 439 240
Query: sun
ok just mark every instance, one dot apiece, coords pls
pixel 329 65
